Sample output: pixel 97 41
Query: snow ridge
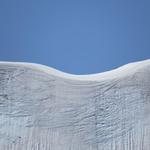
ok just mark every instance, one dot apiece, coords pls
pixel 42 108
pixel 123 70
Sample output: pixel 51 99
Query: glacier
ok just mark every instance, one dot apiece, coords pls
pixel 42 108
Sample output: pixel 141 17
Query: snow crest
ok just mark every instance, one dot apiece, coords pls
pixel 45 109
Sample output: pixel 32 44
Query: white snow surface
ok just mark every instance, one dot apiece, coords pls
pixel 121 71
pixel 42 108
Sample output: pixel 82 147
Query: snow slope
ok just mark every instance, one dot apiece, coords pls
pixel 45 109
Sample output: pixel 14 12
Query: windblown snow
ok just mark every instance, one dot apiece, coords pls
pixel 45 109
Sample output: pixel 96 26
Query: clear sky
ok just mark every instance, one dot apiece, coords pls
pixel 75 36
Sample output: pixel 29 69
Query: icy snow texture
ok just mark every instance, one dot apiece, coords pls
pixel 45 109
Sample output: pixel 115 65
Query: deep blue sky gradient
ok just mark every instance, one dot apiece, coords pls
pixel 75 36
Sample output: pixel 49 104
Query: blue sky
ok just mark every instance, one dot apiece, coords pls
pixel 80 36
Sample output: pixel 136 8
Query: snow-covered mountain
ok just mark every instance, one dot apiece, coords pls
pixel 45 109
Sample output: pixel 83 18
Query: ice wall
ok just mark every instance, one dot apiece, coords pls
pixel 44 109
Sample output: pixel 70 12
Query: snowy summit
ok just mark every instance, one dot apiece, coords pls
pixel 42 108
